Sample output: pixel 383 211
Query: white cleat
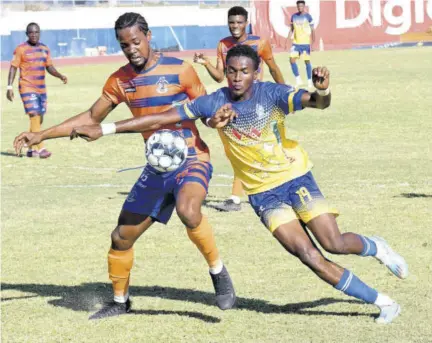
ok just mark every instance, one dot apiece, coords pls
pixel 310 84
pixel 388 313
pixel 393 261
pixel 299 81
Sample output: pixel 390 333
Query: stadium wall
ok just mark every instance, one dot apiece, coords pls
pixel 342 24
pixel 72 32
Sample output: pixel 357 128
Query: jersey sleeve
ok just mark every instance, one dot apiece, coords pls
pixel 48 62
pixel 16 59
pixel 191 83
pixel 310 20
pixel 202 107
pixel 111 91
pixel 287 98
pixel 265 51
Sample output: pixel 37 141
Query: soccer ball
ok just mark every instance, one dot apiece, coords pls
pixel 166 150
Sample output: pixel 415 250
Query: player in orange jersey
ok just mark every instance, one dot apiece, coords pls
pixel 32 58
pixel 237 24
pixel 151 83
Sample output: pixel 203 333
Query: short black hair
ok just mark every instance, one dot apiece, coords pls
pixel 130 19
pixel 238 10
pixel 301 2
pixel 32 24
pixel 246 51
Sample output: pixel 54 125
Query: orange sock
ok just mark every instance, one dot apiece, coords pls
pixel 119 266
pixel 204 239
pixel 35 126
pixel 237 187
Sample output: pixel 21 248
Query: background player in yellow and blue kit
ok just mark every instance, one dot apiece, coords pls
pixel 237 24
pixel 152 83
pixel 302 30
pixel 33 58
pixel 276 172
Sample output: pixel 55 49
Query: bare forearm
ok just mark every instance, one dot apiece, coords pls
pixel 314 100
pixel 215 73
pixel 53 71
pixel 148 123
pixel 12 73
pixel 277 75
pixel 64 129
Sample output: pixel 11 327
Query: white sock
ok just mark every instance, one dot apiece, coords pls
pixel 298 79
pixel 217 269
pixel 121 298
pixel 236 199
pixel 383 300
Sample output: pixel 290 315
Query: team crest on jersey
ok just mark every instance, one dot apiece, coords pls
pixel 162 85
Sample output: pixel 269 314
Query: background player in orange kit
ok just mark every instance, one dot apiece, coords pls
pixel 237 24
pixel 151 83
pixel 32 58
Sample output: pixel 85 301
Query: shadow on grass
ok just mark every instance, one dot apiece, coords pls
pixel 9 154
pixel 87 296
pixel 413 195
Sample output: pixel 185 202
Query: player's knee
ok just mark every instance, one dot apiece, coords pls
pixel 307 62
pixel 292 60
pixel 312 258
pixel 334 246
pixel 189 215
pixel 118 242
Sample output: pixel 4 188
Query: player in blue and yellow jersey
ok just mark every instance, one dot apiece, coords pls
pixel 276 172
pixel 237 24
pixel 302 30
pixel 151 83
pixel 33 58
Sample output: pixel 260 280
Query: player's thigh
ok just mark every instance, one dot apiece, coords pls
pixel 191 190
pixel 324 227
pixel 307 199
pixel 271 209
pixel 151 196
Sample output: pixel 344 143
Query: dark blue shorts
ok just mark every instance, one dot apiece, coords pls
pixel 301 50
pixel 154 194
pixel 299 198
pixel 35 104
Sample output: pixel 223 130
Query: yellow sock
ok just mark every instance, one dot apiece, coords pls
pixel 119 267
pixel 35 126
pixel 237 187
pixel 204 239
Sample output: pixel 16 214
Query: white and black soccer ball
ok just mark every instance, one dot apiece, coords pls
pixel 166 150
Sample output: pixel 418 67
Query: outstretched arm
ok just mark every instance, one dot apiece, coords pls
pixel 149 123
pixel 94 115
pixel 321 98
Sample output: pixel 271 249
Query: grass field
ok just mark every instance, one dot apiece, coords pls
pixel 373 160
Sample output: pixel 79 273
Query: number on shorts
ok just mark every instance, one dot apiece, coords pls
pixel 303 194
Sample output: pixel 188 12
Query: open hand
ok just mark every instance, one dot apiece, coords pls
pixel 87 132
pixel 26 139
pixel 200 58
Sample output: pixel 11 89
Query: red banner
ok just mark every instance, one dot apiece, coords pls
pixel 341 24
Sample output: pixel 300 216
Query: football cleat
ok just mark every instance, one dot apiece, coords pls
pixel 225 294
pixel 44 153
pixel 388 313
pixel 393 261
pixel 228 206
pixel 32 153
pixel 112 309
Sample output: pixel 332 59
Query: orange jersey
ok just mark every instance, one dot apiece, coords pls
pixel 260 45
pixel 32 60
pixel 170 82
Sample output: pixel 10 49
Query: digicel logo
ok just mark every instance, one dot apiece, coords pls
pixel 377 12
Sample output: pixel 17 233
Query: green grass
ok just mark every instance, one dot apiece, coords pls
pixel 372 155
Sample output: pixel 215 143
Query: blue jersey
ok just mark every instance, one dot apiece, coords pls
pixel 255 143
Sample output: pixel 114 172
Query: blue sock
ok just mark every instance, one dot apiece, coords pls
pixel 369 246
pixel 351 285
pixel 309 71
pixel 295 69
